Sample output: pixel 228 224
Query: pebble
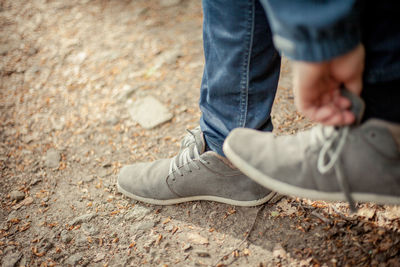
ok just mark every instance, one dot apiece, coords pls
pixel 90 229
pixel 65 236
pixel 137 213
pixel 73 259
pixel 142 226
pixel 126 92
pixel 187 247
pixel 149 112
pixel 83 218
pixel 17 195
pixel 53 158
pixel 80 240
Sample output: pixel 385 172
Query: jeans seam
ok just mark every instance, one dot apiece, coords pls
pixel 246 69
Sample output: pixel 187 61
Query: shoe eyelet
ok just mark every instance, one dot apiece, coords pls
pixel 372 134
pixel 173 179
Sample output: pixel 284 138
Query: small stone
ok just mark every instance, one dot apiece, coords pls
pixel 197 238
pixel 17 195
pixel 126 92
pixel 279 252
pixel 142 226
pixel 149 112
pixel 11 260
pixel 168 57
pixel 99 257
pixel 80 240
pixel 203 254
pixel 65 236
pixel 73 259
pixel 187 247
pixel 83 218
pixel 137 213
pixel 90 229
pixel 87 179
pixel 112 121
pixel 53 158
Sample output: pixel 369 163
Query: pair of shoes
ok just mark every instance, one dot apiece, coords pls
pixel 356 163
pixel 193 174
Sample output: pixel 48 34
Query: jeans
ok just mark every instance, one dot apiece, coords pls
pixel 241 70
pixel 242 66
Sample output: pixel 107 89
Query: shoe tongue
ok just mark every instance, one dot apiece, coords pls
pixel 199 141
pixel 357 104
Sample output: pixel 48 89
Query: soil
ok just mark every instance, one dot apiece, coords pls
pixel 69 71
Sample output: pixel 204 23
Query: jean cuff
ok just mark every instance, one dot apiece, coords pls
pixel 317 50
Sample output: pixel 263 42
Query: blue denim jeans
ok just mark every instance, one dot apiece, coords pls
pixel 241 69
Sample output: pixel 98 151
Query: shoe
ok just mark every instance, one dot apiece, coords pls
pixel 193 174
pixel 356 163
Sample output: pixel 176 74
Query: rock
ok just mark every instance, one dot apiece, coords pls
pixel 367 213
pixel 126 92
pixel 279 252
pixel 142 226
pixel 65 236
pixel 197 238
pixel 169 3
pixel 168 57
pixel 59 124
pixel 137 213
pixel 90 229
pixel 87 179
pixel 149 112
pixel 80 240
pixel 73 259
pixel 83 218
pixel 187 247
pixel 286 208
pixel 99 257
pixel 17 195
pixel 53 158
pixel 112 121
pixel 11 259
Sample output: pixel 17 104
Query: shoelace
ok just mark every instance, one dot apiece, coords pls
pixel 328 158
pixel 187 157
pixel 189 137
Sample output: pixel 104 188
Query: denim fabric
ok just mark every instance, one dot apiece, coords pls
pixel 314 30
pixel 241 69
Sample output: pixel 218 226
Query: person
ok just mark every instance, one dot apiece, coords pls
pixel 334 44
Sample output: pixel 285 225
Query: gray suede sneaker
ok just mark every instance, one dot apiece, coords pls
pixel 191 175
pixel 360 163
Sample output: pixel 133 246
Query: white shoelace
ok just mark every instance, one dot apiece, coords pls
pixel 333 143
pixel 187 157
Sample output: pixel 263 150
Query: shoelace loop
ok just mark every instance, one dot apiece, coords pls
pixel 328 158
pixel 187 157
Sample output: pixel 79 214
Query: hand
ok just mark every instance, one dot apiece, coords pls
pixel 317 87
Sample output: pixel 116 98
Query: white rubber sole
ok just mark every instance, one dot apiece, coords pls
pixel 273 197
pixel 287 189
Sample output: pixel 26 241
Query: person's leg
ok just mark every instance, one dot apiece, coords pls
pixel 241 70
pixel 239 84
pixel 357 163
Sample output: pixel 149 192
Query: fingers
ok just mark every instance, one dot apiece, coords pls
pixel 331 114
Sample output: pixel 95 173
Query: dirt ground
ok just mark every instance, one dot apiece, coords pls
pixel 69 71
